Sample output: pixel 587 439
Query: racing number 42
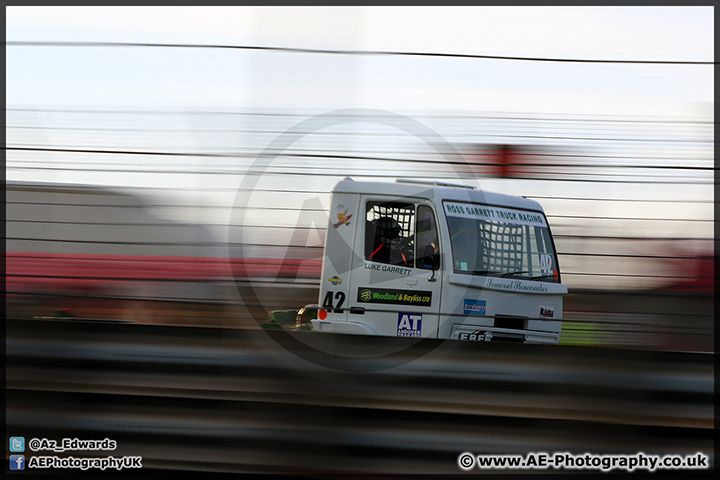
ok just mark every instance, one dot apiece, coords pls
pixel 328 301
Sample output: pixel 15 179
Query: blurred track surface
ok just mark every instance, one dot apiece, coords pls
pixel 207 399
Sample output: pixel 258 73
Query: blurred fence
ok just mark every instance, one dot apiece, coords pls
pixel 233 400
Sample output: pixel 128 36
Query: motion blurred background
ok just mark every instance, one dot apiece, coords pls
pixel 135 134
pixel 125 158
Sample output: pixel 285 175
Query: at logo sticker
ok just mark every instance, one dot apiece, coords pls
pixel 409 324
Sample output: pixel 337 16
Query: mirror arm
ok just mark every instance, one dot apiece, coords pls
pixel 432 277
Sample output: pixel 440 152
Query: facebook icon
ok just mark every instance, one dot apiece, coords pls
pixel 17 462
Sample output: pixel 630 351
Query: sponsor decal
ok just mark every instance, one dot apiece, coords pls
pixel 515 286
pixel 342 216
pixel 418 298
pixel 387 268
pixel 546 264
pixel 494 214
pixel 409 324
pixel 335 280
pixel 473 307
pixel 547 312
pixel 476 336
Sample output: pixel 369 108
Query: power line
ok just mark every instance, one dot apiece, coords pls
pixel 567 117
pixel 345 52
pixel 162 205
pixel 341 157
pixel 261 207
pixel 16 185
pixel 361 173
pixel 119 242
pixel 301 153
pixel 283 209
pixel 629 238
pixel 320 247
pixel 85 277
pixel 624 200
pixel 641 219
pixel 227 131
pixel 535 168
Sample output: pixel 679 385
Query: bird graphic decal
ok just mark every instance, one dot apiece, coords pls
pixel 342 216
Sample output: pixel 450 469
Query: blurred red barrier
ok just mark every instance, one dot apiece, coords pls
pixel 29 270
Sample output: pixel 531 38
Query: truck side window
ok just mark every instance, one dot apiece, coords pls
pixel 428 254
pixel 389 233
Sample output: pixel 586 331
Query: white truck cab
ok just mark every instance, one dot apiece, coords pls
pixel 430 259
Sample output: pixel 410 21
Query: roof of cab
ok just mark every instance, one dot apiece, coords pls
pixel 437 191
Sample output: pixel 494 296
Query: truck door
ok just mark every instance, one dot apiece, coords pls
pixel 394 289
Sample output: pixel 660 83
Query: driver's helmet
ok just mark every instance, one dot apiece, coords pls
pixel 386 229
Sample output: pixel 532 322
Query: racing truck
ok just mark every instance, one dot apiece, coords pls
pixel 434 259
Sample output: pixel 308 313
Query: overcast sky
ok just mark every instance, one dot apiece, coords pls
pixel 149 77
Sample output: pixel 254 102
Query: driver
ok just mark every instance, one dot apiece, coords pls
pixel 390 246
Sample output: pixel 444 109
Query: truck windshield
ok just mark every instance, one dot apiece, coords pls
pixel 500 242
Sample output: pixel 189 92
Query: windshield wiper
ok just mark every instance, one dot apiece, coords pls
pixel 512 273
pixel 484 272
pixel 495 272
pixel 542 276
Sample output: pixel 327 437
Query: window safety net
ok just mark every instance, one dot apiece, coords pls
pixel 503 246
